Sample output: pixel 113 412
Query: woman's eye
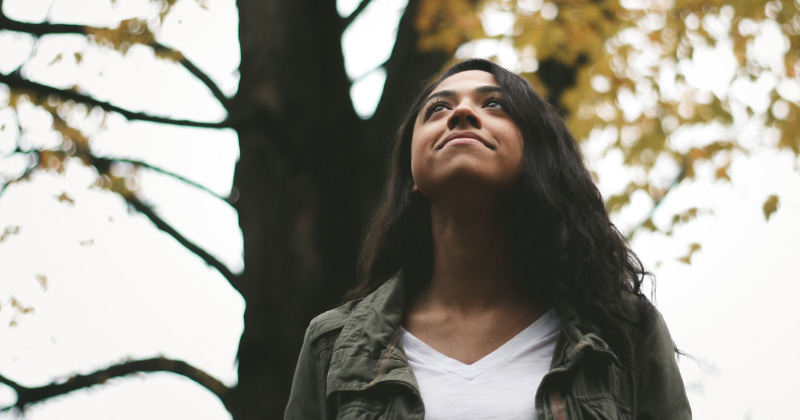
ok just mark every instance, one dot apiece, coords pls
pixel 433 108
pixel 437 108
pixel 493 103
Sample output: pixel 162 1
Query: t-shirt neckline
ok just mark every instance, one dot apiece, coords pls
pixel 517 344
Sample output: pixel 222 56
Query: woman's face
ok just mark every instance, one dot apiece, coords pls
pixel 464 137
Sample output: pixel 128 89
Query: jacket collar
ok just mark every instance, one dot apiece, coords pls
pixel 577 336
pixel 368 351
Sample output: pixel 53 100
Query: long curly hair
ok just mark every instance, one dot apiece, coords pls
pixel 565 248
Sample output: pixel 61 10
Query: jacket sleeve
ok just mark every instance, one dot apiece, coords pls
pixel 307 397
pixel 660 390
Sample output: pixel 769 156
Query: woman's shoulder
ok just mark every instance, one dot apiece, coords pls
pixel 381 307
pixel 639 310
pixel 330 321
pixel 650 331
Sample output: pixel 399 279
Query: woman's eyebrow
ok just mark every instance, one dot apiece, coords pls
pixel 449 93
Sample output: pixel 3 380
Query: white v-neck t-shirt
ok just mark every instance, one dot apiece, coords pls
pixel 501 385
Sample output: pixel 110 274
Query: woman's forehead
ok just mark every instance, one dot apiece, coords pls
pixel 467 80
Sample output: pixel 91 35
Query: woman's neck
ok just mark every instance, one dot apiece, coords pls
pixel 472 264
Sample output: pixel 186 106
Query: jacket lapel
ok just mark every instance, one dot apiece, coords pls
pixel 368 351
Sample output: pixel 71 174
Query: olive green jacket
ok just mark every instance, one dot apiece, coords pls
pixel 352 366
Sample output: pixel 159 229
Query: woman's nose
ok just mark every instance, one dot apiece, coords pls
pixel 465 116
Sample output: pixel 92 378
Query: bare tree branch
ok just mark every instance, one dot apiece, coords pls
pixel 46 28
pixel 199 74
pixel 361 6
pixel 31 395
pixel 362 76
pixel 107 161
pixel 102 164
pixel 5 381
pixel 14 80
pixel 39 29
pixel 160 223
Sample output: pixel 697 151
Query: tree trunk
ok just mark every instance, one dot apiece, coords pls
pixel 295 179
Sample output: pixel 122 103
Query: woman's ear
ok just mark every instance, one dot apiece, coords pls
pixel 414 188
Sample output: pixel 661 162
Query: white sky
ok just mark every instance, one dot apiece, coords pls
pixel 118 288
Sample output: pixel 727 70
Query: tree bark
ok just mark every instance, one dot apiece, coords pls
pixel 295 181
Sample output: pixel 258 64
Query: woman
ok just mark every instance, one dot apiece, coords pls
pixel 493 284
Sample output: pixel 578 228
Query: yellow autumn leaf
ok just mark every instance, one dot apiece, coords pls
pixel 64 198
pixel 770 206
pixel 42 279
pixel 16 304
pixel 722 172
pixel 8 231
pixel 693 248
pixel 56 59
pixel 649 225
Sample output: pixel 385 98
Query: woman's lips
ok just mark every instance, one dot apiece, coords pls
pixel 464 138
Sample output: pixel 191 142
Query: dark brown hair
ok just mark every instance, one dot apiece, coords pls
pixel 565 248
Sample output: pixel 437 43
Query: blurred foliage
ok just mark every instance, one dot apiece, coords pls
pixel 447 24
pixel 68 114
pixel 633 63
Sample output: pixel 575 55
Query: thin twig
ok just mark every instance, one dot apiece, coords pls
pixel 363 76
pixel 361 6
pixel 151 214
pixel 199 74
pixel 160 223
pixel 163 172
